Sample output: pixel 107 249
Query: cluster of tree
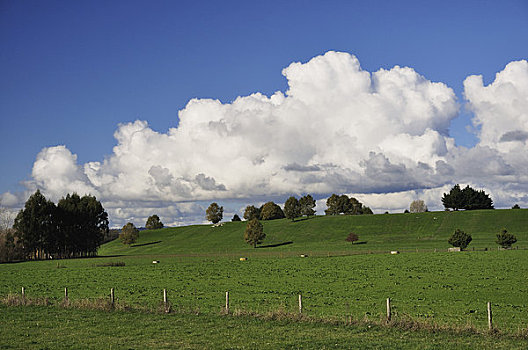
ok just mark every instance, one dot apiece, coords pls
pixel 462 239
pixel 75 227
pixel 345 205
pixel 294 207
pixel 268 211
pixel 467 198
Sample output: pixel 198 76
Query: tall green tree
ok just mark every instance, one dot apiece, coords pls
pixel 36 226
pixel 214 213
pixel 153 223
pixel 254 233
pixel 292 208
pixel 307 205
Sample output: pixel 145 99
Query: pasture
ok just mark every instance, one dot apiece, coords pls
pixel 198 264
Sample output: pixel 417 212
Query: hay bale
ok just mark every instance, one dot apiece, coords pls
pixel 243 259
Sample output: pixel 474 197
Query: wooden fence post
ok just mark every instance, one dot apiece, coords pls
pixel 66 294
pixel 300 304
pixel 490 320
pixel 165 301
pixel 227 302
pixel 112 299
pixel 388 310
pixel 23 293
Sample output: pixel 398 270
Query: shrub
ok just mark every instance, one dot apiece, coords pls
pixel 505 239
pixel 236 218
pixel 516 206
pixel 459 239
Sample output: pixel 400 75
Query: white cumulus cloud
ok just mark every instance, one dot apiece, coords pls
pixel 337 129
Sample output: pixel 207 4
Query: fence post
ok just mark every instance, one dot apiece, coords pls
pixel 388 310
pixel 23 293
pixel 165 301
pixel 300 304
pixel 66 294
pixel 112 299
pixel 490 320
pixel 227 302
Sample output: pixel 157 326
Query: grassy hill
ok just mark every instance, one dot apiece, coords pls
pixel 326 234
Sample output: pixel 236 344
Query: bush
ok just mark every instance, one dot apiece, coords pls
pixel 505 239
pixel 236 218
pixel 459 239
pixel 516 206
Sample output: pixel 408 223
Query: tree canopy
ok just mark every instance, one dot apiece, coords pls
pixel 467 198
pixel 307 205
pixel 418 206
pixel 75 227
pixel 153 223
pixel 254 233
pixel 460 239
pixel 271 211
pixel 251 212
pixel 129 234
pixel 345 205
pixel 292 208
pixel 214 213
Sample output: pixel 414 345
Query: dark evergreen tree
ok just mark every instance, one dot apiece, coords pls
pixel 459 239
pixel 236 218
pixel 505 239
pixel 468 199
pixel 36 226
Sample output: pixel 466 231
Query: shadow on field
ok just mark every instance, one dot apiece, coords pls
pixel 362 242
pixel 274 245
pixel 144 244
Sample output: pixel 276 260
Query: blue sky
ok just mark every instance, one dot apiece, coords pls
pixel 73 70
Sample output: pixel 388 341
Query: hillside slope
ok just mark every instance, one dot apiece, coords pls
pixel 326 234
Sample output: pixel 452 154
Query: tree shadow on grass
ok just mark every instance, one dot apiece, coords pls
pixel 274 245
pixel 362 242
pixel 144 244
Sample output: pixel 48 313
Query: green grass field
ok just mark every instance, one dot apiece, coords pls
pixel 323 234
pixel 34 327
pixel 198 264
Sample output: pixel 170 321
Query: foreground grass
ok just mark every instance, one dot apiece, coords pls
pixel 40 327
pixel 443 288
pixel 326 234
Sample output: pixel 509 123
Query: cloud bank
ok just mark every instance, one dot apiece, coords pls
pixel 338 128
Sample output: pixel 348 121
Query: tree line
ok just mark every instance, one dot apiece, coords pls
pixel 75 227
